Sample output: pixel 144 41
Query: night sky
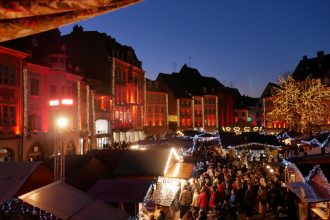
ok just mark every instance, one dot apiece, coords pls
pixel 248 43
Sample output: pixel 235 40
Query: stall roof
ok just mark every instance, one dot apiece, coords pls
pixel 67 202
pixel 149 163
pixel 120 190
pixel 12 177
pixel 314 188
pixel 180 170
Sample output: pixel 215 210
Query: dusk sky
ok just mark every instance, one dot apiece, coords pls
pixel 249 43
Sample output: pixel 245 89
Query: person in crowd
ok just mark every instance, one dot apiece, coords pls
pixel 202 215
pixel 213 198
pixel 185 199
pixel 194 202
pixel 233 204
pixel 262 193
pixel 188 215
pixel 249 202
pixel 203 200
pixel 161 215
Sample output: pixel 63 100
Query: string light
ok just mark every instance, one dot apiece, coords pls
pixel 25 101
pixel 93 113
pixel 17 206
pixel 87 108
pixel 78 105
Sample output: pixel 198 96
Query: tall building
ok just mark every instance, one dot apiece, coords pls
pixel 194 100
pixel 100 57
pixel 50 90
pixel 11 104
pixel 156 110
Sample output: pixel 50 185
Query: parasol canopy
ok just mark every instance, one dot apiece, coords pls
pixel 21 18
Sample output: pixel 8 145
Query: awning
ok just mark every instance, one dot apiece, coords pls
pixel 180 170
pixel 21 18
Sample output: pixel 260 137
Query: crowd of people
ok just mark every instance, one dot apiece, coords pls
pixel 223 188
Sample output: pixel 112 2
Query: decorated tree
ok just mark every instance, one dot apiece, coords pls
pixel 302 105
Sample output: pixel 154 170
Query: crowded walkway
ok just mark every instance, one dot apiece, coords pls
pixel 225 187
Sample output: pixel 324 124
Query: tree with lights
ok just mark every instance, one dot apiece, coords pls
pixel 302 105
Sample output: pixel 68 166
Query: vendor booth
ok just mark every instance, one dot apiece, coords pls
pixel 313 192
pixel 164 193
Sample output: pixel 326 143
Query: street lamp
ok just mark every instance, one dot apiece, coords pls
pixel 59 157
pixel 62 122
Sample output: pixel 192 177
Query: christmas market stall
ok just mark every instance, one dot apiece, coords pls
pixel 17 178
pixel 126 193
pixel 164 192
pixel 312 190
pixel 66 202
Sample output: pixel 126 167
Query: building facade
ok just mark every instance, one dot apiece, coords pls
pixel 156 119
pixel 101 58
pixel 11 103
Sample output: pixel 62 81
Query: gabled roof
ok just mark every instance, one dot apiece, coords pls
pixel 67 202
pixel 269 91
pixel 87 48
pixel 12 177
pixel 148 163
pixel 314 188
pixel 189 82
pixel 120 190
pixel 321 139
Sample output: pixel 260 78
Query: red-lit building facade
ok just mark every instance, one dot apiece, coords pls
pixel 11 100
pixel 266 99
pixel 194 100
pixel 156 119
pixel 101 58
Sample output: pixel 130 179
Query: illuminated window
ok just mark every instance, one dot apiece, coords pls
pixel 34 90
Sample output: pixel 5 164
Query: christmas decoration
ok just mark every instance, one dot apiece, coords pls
pixel 18 209
pixel 301 105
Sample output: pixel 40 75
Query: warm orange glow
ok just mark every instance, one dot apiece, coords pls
pixel 102 103
pixel 54 102
pixel 67 101
pixel 17 129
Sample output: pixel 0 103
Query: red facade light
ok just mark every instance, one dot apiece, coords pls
pixel 67 101
pixel 54 102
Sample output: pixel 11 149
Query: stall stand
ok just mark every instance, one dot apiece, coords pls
pixel 313 192
pixel 164 193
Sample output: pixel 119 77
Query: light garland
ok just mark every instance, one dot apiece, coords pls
pixel 167 117
pixel 93 113
pixel 314 141
pixel 193 112
pixel 78 106
pixel 216 112
pixel 178 111
pixel 203 123
pixel 256 143
pixel 18 206
pixel 317 170
pixel 87 108
pixel 25 101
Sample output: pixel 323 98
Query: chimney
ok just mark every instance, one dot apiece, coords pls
pixel 320 55
pixel 305 57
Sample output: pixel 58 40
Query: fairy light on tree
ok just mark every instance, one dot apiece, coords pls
pixel 302 105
